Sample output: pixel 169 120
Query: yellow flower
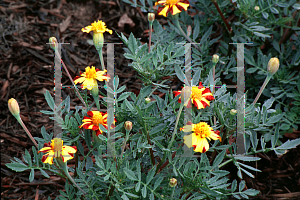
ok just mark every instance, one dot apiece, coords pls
pixel 199 96
pixel 90 76
pixel 128 125
pixel 173 182
pixel 55 150
pixel 198 139
pixel 172 6
pixel 98 29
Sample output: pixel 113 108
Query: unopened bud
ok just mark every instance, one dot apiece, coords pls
pixel 273 65
pixel 147 100
pixel 233 111
pixel 173 182
pixel 215 59
pixel 53 43
pixel 256 8
pixel 151 17
pixel 128 125
pixel 13 107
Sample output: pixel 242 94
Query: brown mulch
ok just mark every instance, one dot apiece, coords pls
pixel 26 72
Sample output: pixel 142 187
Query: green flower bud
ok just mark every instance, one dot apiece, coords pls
pixel 215 59
pixel 13 107
pixel 128 125
pixel 151 17
pixel 233 112
pixel 256 8
pixel 147 100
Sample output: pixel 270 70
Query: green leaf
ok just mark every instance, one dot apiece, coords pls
pixel 296 6
pixel 233 185
pixel 132 44
pixel 130 174
pixel 261 35
pixel 128 105
pixel 274 10
pixel 124 197
pixel 28 158
pixel 269 103
pixel 251 70
pixel 31 175
pixel 49 100
pixel 44 173
pixel 124 95
pixel 18 167
pixel 158 182
pixel 144 191
pixel 274 119
pixel 289 144
pixel 265 15
pixel 251 192
pixel 180 74
pixel 206 35
pixel 242 185
pixel 246 158
pixel 150 175
pixel 219 159
pixel 137 186
pixel 152 196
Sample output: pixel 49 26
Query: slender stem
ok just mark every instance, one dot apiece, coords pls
pixel 229 29
pixel 269 76
pixel 27 131
pixel 96 99
pixel 150 35
pixel 125 141
pixel 101 58
pixel 173 193
pixel 176 124
pixel 224 163
pixel 76 89
pixel 63 165
pixel 76 160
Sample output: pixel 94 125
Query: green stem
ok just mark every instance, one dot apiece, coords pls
pixel 96 99
pixel 63 165
pixel 176 124
pixel 173 193
pixel 150 35
pixel 101 58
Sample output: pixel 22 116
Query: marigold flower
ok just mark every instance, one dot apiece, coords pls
pixel 95 118
pixel 90 76
pixel 98 29
pixel 200 96
pixel 172 6
pixel 13 107
pixel 198 139
pixel 151 17
pixel 215 59
pixel 56 149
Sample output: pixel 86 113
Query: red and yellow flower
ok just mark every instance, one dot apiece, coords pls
pixel 202 132
pixel 90 76
pixel 56 149
pixel 199 96
pixel 94 119
pixel 172 6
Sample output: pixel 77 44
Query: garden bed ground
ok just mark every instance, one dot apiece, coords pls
pixel 26 71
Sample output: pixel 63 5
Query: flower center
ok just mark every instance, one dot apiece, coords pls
pixel 196 93
pixel 97 118
pixel 99 26
pixel 171 2
pixel 202 130
pixel 90 73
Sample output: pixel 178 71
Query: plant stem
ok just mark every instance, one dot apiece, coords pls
pixel 269 76
pixel 76 89
pixel 176 124
pixel 229 29
pixel 27 131
pixel 173 193
pixel 150 35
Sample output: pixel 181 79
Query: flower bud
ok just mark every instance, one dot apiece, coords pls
pixel 233 111
pixel 256 8
pixel 173 182
pixel 215 59
pixel 273 65
pixel 53 43
pixel 151 17
pixel 13 107
pixel 147 100
pixel 128 125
